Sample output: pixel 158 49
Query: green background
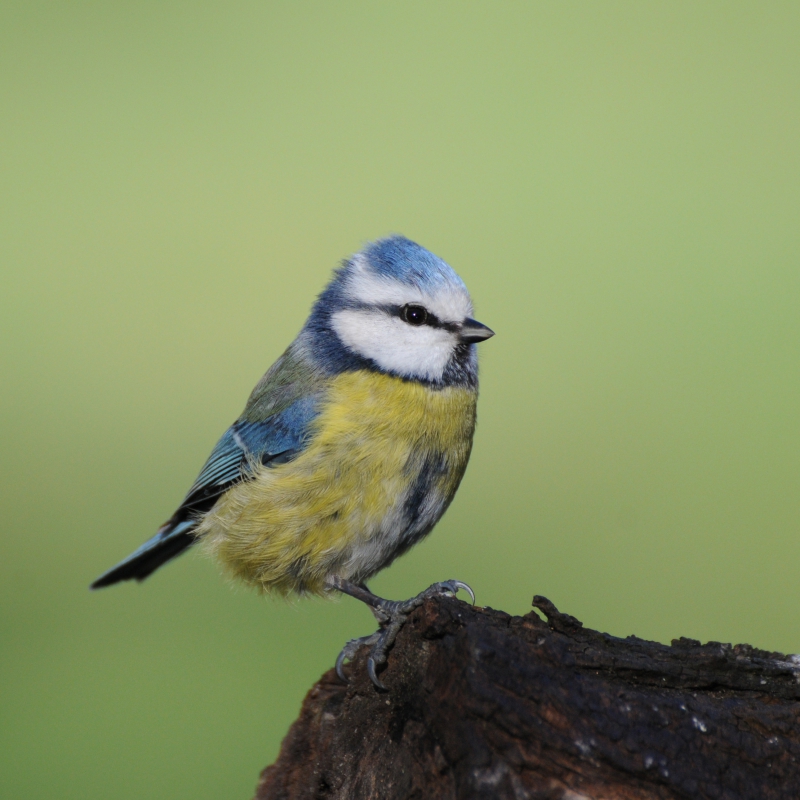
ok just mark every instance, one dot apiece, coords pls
pixel 618 184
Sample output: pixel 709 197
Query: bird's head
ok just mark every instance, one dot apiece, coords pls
pixel 401 309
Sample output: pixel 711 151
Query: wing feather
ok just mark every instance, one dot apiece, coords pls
pixel 274 428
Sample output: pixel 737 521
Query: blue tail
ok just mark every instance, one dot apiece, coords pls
pixel 171 540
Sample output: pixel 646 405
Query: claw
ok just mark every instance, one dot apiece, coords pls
pixel 391 615
pixel 349 651
pixel 371 667
pixel 340 659
pixel 466 588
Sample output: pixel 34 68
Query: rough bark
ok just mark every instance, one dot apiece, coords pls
pixel 484 705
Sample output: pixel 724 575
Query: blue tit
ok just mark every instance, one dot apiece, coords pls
pixel 350 448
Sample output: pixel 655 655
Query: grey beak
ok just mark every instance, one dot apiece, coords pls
pixel 474 331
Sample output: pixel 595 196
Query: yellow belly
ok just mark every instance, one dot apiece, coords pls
pixel 384 459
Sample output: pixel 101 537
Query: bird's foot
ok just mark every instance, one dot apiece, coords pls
pixel 391 615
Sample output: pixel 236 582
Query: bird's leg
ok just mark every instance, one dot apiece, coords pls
pixel 391 614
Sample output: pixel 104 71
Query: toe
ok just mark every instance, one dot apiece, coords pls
pixel 350 649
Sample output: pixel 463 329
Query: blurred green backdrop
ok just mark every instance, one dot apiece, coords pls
pixel 618 184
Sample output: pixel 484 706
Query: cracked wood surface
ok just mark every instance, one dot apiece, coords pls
pixel 484 705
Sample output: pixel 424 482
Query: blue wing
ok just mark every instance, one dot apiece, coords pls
pixel 276 440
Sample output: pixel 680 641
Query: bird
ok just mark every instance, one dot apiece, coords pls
pixel 350 448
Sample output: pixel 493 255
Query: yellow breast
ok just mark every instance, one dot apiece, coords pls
pixel 383 461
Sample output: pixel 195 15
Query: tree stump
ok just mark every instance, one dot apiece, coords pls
pixel 481 704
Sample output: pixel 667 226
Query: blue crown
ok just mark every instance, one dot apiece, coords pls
pixel 406 261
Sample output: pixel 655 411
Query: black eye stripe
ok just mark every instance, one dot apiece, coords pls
pixel 432 321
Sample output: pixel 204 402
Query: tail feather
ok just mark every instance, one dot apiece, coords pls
pixel 171 540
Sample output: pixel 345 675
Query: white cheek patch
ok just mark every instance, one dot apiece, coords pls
pixel 394 345
pixel 449 302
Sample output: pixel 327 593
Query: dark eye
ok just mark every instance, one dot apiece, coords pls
pixel 414 315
